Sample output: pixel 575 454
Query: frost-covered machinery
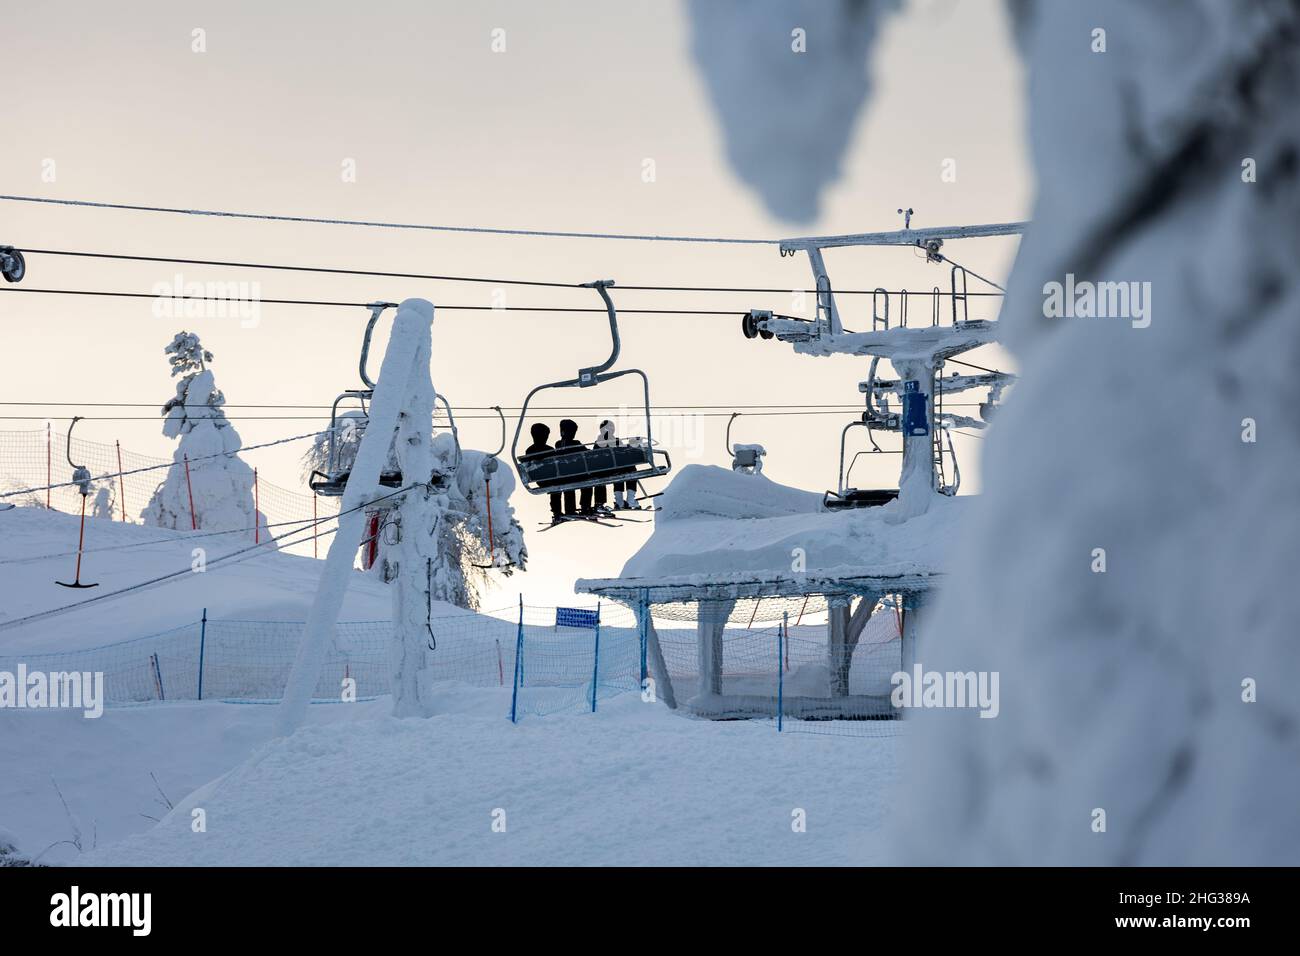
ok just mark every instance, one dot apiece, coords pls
pixel 916 349
pixel 12 264
pixel 826 325
pixel 590 465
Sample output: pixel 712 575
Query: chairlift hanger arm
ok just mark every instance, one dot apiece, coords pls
pixel 590 376
pixel 455 433
pixel 71 426
pixel 734 416
pixel 502 446
pixel 376 310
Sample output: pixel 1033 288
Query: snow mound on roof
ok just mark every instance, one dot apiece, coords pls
pixel 721 526
pixel 708 490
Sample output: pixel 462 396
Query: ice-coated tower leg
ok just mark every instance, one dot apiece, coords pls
pixel 414 560
pixel 411 326
pixel 916 482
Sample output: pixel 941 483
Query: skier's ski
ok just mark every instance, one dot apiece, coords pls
pixel 592 519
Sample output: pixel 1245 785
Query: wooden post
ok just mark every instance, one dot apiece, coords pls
pixel 492 547
pixel 194 524
pixel 121 482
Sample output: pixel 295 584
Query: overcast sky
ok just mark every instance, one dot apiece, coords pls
pixel 553 133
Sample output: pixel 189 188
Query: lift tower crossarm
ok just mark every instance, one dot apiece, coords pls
pixel 903 237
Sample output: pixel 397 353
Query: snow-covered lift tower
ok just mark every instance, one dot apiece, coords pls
pixel 916 351
pixel 403 404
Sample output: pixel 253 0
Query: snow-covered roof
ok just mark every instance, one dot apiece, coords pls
pixel 725 534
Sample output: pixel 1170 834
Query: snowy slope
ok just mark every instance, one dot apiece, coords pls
pixel 631 785
pixel 103 767
pixel 271 586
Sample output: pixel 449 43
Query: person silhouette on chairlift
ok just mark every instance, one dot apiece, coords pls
pixel 540 434
pixel 569 439
pixel 607 439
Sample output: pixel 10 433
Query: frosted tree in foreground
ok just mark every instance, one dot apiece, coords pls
pixel 221 488
pixel 1128 571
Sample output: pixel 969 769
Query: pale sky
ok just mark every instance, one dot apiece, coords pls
pixel 550 134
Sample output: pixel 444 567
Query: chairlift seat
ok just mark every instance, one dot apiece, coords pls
pixel 331 486
pixel 859 498
pixel 590 465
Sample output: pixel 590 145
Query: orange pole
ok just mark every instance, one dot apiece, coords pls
pixel 194 524
pixel 802 609
pixel 492 545
pixel 81 539
pixel 121 483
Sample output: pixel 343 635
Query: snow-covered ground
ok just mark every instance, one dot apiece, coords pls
pixel 633 783
pixel 102 767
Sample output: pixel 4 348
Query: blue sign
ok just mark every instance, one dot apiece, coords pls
pixel 916 421
pixel 576 617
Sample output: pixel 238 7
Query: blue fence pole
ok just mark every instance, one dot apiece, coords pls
pixel 203 637
pixel 643 631
pixel 595 664
pixel 157 670
pixel 519 665
pixel 780 671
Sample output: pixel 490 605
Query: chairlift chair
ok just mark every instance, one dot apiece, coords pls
pixel 589 465
pixel 745 459
pixel 330 483
pixel 81 478
pixel 875 418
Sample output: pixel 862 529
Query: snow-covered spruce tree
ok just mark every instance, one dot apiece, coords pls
pixel 222 487
pixel 466 536
pixel 463 547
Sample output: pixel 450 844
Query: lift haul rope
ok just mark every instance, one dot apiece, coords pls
pixel 329 270
pixel 467 418
pixel 170 464
pixel 483 230
pixel 191 536
pixel 223 560
pixel 365 305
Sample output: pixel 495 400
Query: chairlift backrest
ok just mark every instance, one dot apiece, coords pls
pixel 331 482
